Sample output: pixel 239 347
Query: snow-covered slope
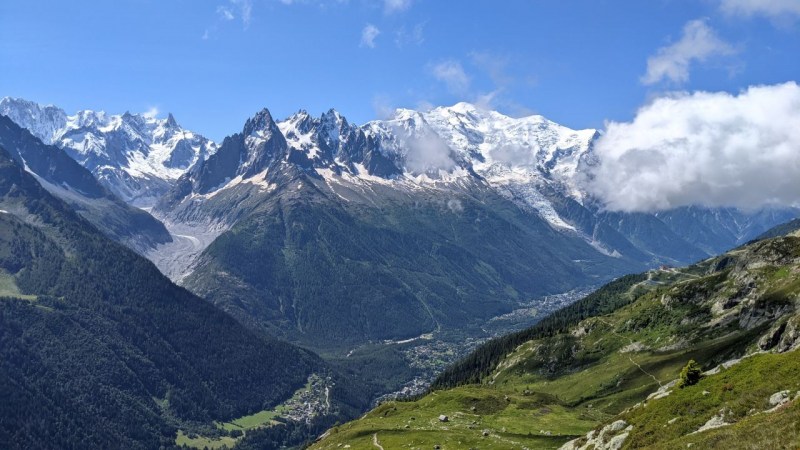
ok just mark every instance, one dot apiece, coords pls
pixel 137 157
pixel 536 164
pixel 420 221
pixel 518 156
pixel 63 177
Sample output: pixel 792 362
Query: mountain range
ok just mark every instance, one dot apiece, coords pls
pixel 388 248
pixel 423 222
pixel 426 221
pixel 135 156
pixel 66 179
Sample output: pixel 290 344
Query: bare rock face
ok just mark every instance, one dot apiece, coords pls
pixel 716 421
pixel 790 338
pixel 779 398
pixel 610 437
pixel 773 337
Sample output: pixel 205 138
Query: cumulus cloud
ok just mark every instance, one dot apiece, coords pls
pixel 455 206
pixel 368 35
pixel 452 74
pixel 708 149
pixel 775 9
pixel 425 153
pixel 698 43
pixel 151 113
pixel 428 154
pixel 395 6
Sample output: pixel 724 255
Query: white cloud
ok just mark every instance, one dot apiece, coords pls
pixel 368 35
pixel 452 74
pixel 229 11
pixel 394 6
pixel 151 113
pixel 709 149
pixel 487 101
pixel 383 106
pixel 426 153
pixel 413 36
pixel 698 43
pixel 775 9
pixel 424 105
pixel 225 12
pixel 245 10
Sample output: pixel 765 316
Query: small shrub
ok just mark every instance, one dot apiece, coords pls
pixel 690 374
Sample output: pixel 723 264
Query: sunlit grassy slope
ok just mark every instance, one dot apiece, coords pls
pixel 568 381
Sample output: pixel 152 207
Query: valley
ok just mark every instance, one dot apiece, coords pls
pixel 384 275
pixel 399 225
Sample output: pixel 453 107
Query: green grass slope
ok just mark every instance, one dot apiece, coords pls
pixel 596 362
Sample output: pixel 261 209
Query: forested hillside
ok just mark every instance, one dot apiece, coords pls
pixel 99 350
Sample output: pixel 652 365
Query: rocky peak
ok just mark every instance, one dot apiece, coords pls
pixel 43 121
pixel 171 122
pixel 302 121
pixel 260 124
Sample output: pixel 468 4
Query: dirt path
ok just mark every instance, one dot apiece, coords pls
pixel 629 357
pixel 375 441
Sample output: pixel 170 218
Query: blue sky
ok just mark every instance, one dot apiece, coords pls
pixel 214 63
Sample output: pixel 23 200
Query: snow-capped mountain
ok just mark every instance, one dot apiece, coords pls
pixel 517 156
pixel 138 157
pixel 520 158
pixel 427 219
pixel 63 177
pixel 535 163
